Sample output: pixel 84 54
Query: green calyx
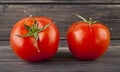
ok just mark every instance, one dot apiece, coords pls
pixel 34 31
pixel 90 21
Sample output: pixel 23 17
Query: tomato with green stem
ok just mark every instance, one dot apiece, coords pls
pixel 88 40
pixel 34 39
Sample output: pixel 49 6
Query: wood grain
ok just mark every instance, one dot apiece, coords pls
pixel 59 1
pixel 7 53
pixel 61 14
pixel 63 61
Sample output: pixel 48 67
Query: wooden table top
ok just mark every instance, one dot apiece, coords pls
pixel 62 62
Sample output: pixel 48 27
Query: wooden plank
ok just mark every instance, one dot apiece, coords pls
pixel 62 62
pixel 61 14
pixel 60 1
pixel 7 53
pixel 63 66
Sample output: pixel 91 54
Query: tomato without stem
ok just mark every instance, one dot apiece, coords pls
pixel 88 40
pixel 32 42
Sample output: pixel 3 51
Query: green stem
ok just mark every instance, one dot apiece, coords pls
pixel 81 17
pixel 34 31
pixel 90 21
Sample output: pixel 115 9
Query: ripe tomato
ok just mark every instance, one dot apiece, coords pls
pixel 34 39
pixel 88 40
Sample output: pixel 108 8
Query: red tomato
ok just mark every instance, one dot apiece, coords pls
pixel 88 40
pixel 23 39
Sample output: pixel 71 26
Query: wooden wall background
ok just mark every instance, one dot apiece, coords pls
pixel 106 11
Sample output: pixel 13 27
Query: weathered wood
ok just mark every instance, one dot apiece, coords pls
pixel 59 1
pixel 61 14
pixel 62 54
pixel 63 61
pixel 61 11
pixel 102 65
pixel 63 51
pixel 4 43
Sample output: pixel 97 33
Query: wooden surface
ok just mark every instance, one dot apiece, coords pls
pixel 61 12
pixel 60 1
pixel 62 62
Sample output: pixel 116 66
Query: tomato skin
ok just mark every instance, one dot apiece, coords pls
pixel 24 47
pixel 88 42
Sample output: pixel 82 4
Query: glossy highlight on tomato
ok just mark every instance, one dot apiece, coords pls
pixel 34 43
pixel 88 40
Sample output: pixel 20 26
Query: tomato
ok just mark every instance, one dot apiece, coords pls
pixel 88 40
pixel 34 39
